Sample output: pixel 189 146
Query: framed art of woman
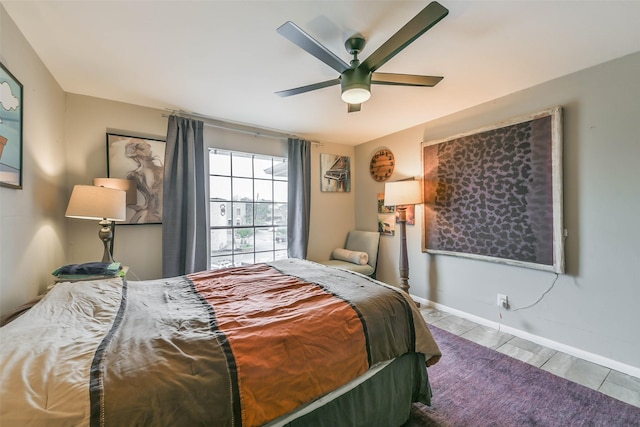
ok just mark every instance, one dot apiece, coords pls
pixel 142 161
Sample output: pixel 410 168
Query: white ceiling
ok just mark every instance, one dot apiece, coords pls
pixel 224 59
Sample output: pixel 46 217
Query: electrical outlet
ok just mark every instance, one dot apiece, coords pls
pixel 503 301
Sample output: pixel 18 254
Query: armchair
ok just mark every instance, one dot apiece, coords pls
pixel 352 257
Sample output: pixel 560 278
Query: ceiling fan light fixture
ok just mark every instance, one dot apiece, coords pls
pixel 356 95
pixel 356 86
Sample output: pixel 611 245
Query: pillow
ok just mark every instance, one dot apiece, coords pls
pixel 353 257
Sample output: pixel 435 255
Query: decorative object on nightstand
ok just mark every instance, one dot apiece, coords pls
pixel 382 165
pixel 104 204
pixel 88 271
pixel 127 185
pixel 400 194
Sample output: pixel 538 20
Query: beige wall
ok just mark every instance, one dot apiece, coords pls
pixel 594 306
pixel 32 242
pixel 332 214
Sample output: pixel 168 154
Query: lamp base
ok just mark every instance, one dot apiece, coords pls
pixel 106 235
pixel 404 260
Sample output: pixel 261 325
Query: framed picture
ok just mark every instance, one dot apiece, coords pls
pixel 11 108
pixel 387 224
pixel 495 194
pixel 411 210
pixel 381 207
pixel 335 173
pixel 142 161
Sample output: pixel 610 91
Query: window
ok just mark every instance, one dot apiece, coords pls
pixel 248 205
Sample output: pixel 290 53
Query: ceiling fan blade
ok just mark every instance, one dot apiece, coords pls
pixel 404 79
pixel 427 18
pixel 298 37
pixel 308 88
pixel 353 108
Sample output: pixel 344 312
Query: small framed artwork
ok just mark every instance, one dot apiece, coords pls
pixel 382 208
pixel 387 224
pixel 335 173
pixel 10 130
pixel 141 160
pixel 411 210
pixel 495 194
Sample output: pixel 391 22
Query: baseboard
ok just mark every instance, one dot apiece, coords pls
pixel 572 351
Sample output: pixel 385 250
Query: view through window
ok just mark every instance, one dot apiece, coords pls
pixel 248 205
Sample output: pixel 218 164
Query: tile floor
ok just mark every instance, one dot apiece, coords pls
pixel 615 384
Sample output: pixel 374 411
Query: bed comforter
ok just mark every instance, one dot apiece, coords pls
pixel 232 347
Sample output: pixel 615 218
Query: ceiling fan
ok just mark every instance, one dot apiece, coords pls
pixel 356 78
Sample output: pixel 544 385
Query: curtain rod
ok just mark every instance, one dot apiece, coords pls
pixel 237 127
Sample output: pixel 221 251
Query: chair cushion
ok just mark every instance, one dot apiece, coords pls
pixel 364 241
pixel 359 241
pixel 355 257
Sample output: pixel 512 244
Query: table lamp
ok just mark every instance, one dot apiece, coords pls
pixel 98 203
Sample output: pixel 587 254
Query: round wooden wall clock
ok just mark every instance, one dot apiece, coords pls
pixel 382 165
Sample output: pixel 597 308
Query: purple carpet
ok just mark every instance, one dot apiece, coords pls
pixel 476 386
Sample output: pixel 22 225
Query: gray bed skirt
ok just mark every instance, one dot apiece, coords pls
pixel 383 400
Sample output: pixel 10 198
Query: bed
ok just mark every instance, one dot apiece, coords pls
pixel 286 343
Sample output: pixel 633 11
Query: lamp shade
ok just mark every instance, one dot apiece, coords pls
pixel 126 185
pixel 90 202
pixel 402 193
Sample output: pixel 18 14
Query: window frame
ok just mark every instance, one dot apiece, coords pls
pixel 245 238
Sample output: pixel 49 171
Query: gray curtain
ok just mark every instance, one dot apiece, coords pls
pixel 185 230
pixel 299 177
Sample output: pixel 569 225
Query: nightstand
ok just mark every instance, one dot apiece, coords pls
pixel 20 310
